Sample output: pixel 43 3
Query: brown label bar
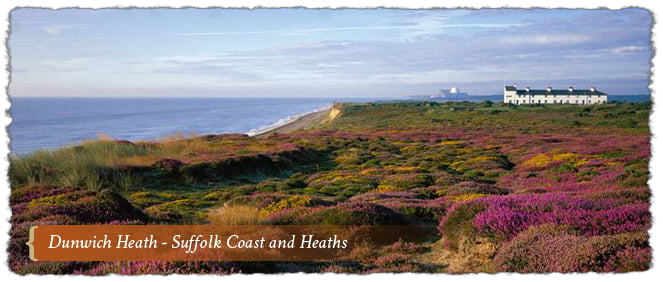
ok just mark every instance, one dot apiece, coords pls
pixel 206 242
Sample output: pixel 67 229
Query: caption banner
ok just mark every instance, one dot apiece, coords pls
pixel 207 242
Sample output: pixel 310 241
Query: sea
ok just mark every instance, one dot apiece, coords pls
pixel 50 123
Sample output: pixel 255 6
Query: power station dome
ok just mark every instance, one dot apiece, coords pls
pixel 454 90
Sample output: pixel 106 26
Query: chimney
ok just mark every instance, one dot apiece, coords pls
pixel 527 89
pixel 570 88
pixel 549 89
pixel 592 89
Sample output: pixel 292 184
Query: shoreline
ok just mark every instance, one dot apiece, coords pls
pixel 296 123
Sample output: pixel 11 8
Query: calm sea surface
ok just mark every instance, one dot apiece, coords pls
pixel 49 123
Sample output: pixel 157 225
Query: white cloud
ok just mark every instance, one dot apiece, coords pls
pixel 187 59
pixel 628 49
pixel 285 31
pixel 422 27
pixel 55 29
pixel 63 65
pixel 563 39
pixel 431 24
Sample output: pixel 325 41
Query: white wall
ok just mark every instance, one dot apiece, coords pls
pixel 509 96
pixel 513 98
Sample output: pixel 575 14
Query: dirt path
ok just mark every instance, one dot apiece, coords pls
pixel 436 258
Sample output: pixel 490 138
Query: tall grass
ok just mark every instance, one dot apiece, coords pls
pixel 88 164
pixel 126 181
pixel 235 215
pixel 78 166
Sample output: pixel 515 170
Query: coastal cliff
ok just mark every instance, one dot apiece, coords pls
pixel 305 122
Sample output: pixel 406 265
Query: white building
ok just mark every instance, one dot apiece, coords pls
pixel 529 96
pixel 450 93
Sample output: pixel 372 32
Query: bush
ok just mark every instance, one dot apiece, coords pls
pixel 401 182
pixel 555 248
pixel 160 267
pixel 259 201
pixel 504 217
pixel 407 203
pixel 292 202
pixel 197 171
pixel 347 213
pixel 81 206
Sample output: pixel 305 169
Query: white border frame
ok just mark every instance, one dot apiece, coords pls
pixel 656 123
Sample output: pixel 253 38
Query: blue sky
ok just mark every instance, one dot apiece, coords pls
pixel 324 53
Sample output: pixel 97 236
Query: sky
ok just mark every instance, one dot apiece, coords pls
pixel 324 53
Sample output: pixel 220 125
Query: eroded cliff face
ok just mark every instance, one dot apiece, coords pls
pixel 329 115
pixel 334 112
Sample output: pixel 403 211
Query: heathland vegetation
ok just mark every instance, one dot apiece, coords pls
pixel 557 188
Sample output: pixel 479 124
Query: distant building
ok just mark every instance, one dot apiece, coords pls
pixel 451 93
pixel 528 96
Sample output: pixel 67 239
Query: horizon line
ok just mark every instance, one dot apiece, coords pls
pixel 278 97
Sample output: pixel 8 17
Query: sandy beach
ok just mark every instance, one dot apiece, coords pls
pixel 303 122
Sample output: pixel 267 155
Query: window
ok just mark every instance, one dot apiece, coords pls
pixel 545 101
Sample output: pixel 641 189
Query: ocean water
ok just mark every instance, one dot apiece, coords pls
pixel 49 123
